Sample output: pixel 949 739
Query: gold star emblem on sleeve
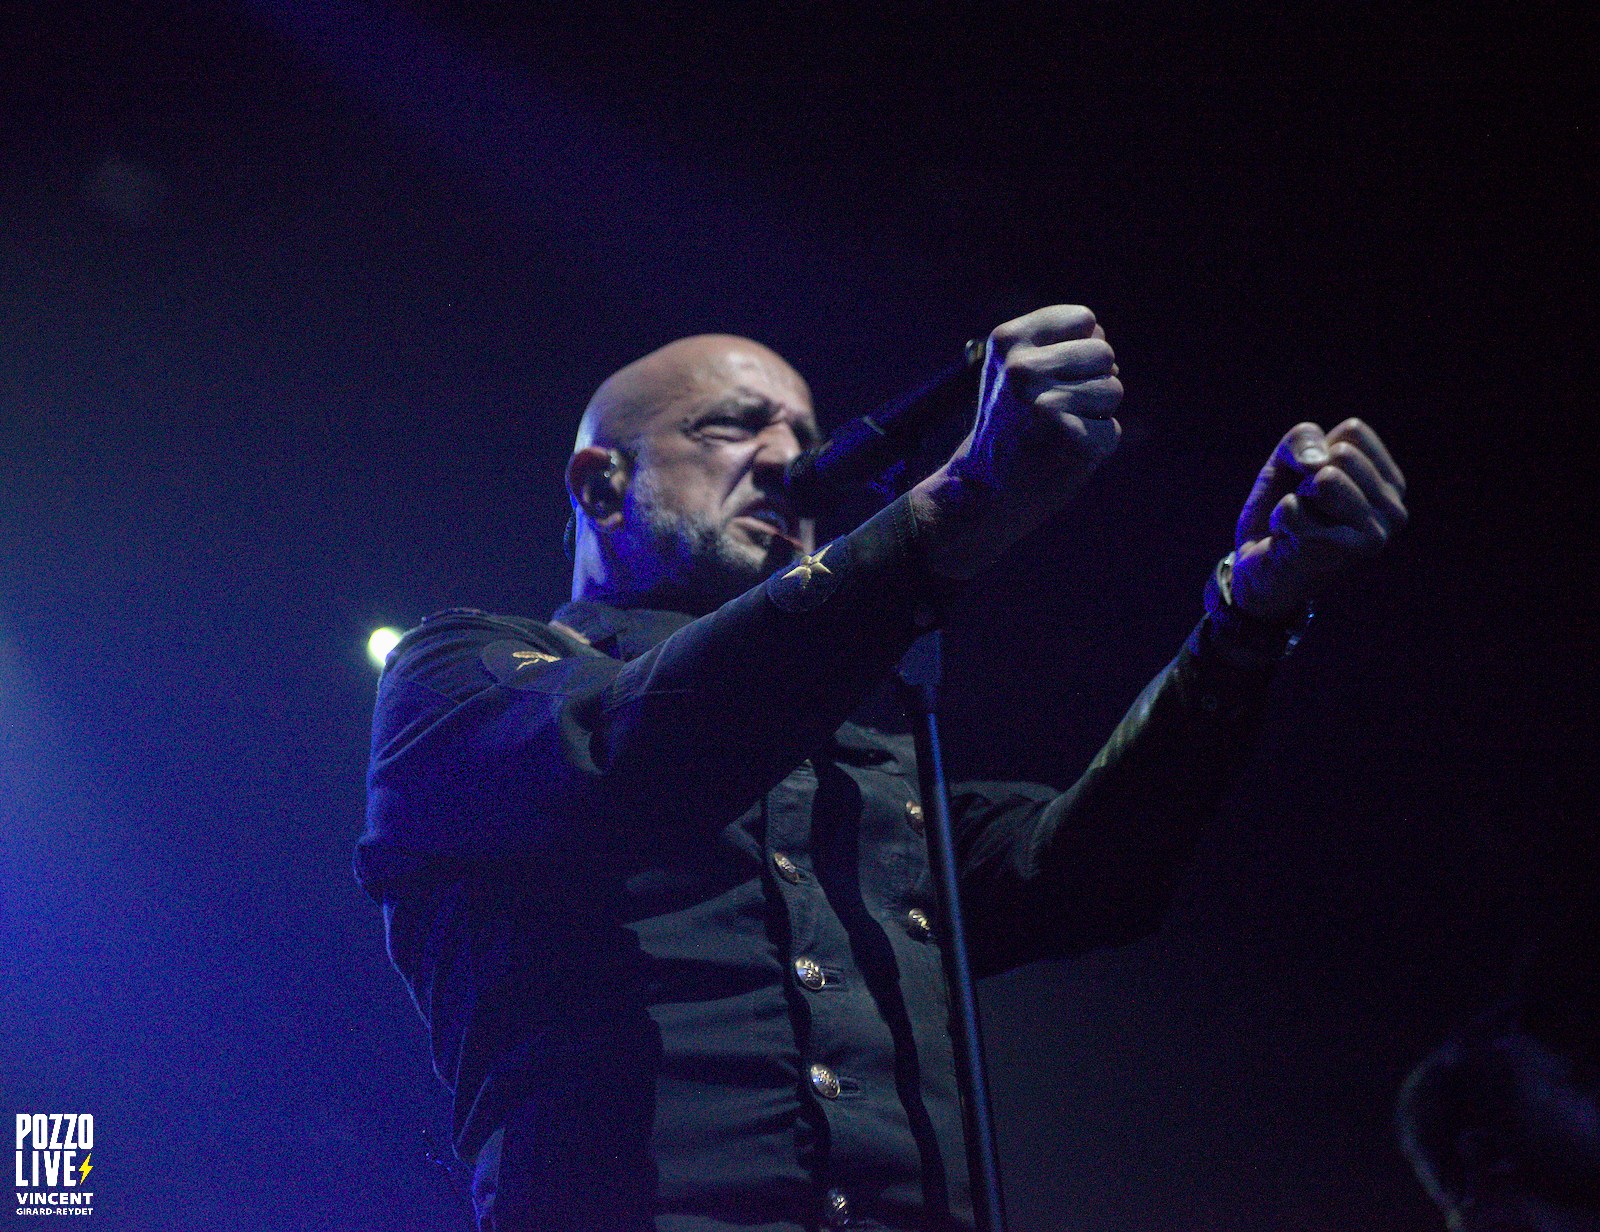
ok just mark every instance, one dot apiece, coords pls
pixel 810 566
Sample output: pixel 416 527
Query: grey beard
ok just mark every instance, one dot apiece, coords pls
pixel 685 564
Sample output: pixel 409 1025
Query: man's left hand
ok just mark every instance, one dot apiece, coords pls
pixel 1321 503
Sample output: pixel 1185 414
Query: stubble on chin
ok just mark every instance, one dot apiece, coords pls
pixel 700 564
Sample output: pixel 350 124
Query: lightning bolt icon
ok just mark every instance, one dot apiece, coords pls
pixel 84 1169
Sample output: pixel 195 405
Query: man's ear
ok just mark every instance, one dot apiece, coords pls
pixel 596 480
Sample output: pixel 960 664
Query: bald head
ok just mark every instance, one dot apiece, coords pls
pixel 630 399
pixel 677 475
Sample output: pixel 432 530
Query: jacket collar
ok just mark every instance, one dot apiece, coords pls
pixel 622 633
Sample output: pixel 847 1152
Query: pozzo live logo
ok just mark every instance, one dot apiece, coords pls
pixel 53 1163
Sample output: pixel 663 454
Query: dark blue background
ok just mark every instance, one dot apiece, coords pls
pixel 299 303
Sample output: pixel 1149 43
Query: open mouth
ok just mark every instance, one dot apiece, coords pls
pixel 771 518
pixel 774 522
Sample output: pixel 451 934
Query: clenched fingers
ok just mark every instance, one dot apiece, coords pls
pixel 1299 453
pixel 1361 435
pixel 1338 502
pixel 1080 359
pixel 1381 495
pixel 1078 377
pixel 1359 487
pixel 1058 360
pixel 1300 533
pixel 1095 399
pixel 1057 323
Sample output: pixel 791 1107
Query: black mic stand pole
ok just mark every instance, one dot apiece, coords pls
pixel 920 673
pixel 855 453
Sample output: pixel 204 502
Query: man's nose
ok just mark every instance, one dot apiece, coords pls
pixel 776 447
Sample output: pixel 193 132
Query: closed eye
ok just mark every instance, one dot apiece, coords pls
pixel 734 423
pixel 730 427
pixel 738 423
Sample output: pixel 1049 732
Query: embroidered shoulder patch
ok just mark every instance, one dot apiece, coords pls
pixel 809 581
pixel 504 659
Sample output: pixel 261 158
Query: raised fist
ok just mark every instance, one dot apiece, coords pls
pixel 1320 504
pixel 1044 424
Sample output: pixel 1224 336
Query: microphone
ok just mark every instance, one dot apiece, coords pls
pixel 861 450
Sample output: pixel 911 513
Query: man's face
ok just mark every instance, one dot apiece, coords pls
pixel 706 514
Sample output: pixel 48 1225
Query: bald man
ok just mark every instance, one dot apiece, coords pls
pixel 667 912
pixel 705 524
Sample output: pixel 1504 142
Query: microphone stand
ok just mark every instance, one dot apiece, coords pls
pixel 855 454
pixel 920 673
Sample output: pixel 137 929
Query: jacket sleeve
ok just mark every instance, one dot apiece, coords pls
pixel 491 740
pixel 1047 874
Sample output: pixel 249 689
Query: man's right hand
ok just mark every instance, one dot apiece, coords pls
pixel 1044 424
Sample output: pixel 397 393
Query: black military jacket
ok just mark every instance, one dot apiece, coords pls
pixel 667 914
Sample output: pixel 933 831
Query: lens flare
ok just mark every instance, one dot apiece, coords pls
pixel 380 644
